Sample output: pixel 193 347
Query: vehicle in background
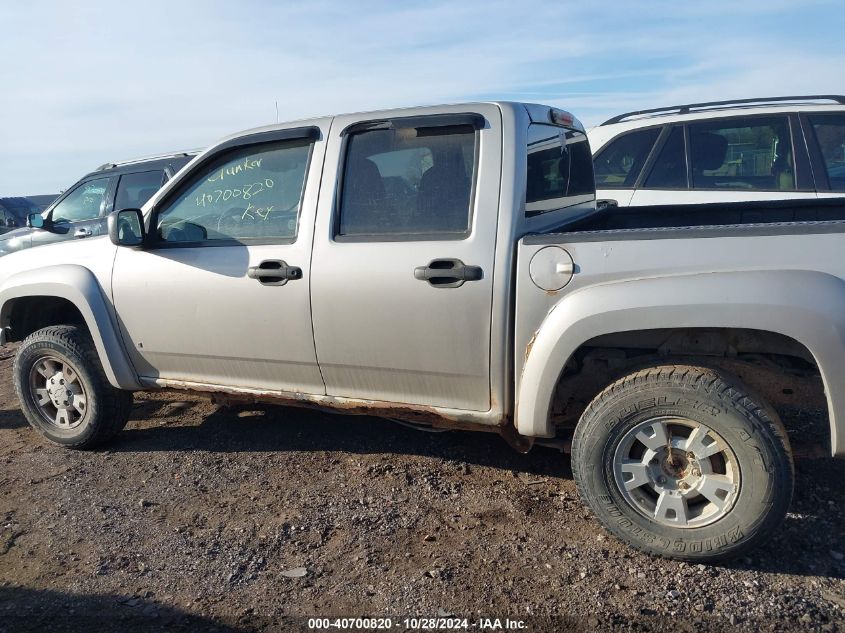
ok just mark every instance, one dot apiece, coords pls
pixel 770 148
pixel 81 211
pixel 43 201
pixel 13 212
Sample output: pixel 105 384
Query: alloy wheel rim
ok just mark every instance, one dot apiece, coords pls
pixel 58 392
pixel 677 472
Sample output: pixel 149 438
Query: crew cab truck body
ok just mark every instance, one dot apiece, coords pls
pixel 446 266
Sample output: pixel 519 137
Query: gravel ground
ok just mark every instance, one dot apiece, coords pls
pixel 208 518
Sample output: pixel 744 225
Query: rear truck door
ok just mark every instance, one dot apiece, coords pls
pixel 404 248
pixel 221 294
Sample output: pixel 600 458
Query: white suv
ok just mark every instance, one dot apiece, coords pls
pixel 771 148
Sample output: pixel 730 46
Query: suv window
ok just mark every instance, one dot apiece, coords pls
pixel 83 203
pixel 559 169
pixel 747 153
pixel 133 190
pixel 250 193
pixel 619 164
pixel 408 181
pixel 830 136
pixel 670 167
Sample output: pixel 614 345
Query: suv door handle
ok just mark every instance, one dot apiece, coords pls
pixel 83 232
pixel 274 272
pixel 448 273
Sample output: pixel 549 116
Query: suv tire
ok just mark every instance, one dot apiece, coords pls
pixel 721 489
pixel 63 390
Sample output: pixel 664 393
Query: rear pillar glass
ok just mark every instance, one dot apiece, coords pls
pixel 559 169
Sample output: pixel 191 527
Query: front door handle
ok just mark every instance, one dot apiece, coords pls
pixel 82 232
pixel 448 273
pixel 274 272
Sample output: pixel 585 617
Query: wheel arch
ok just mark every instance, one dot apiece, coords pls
pixel 59 294
pixel 807 308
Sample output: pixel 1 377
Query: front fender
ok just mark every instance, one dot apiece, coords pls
pixel 806 306
pixel 78 285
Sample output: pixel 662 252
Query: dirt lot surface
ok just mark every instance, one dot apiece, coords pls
pixel 206 518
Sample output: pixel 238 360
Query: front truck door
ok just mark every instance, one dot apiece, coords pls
pixel 403 258
pixel 221 294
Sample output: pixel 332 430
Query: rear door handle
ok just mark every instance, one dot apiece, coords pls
pixel 82 232
pixel 274 272
pixel 448 273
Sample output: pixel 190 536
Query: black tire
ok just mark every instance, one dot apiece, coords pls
pixel 105 410
pixel 757 447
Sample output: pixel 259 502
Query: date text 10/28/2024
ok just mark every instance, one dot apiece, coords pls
pixel 422 624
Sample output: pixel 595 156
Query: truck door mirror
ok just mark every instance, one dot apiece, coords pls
pixel 126 227
pixel 35 220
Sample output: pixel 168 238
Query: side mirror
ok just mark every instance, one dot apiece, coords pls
pixel 606 204
pixel 35 220
pixel 126 227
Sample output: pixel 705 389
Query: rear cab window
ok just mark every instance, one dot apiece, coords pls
pixel 559 169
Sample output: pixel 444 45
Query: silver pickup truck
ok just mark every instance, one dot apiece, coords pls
pixel 446 266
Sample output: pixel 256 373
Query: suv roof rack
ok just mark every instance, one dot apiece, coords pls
pixel 143 159
pixel 683 109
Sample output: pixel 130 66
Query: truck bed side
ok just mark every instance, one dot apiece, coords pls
pixel 784 278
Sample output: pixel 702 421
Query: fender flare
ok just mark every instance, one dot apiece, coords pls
pixel 79 286
pixel 808 307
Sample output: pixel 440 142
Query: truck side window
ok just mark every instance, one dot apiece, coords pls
pixel 748 153
pixel 408 181
pixel 619 164
pixel 83 203
pixel 830 136
pixel 133 190
pixel 250 193
pixel 670 168
pixel 559 169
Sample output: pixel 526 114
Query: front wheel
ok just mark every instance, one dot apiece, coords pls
pixel 683 462
pixel 63 390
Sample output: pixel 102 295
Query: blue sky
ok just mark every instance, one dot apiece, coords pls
pixel 84 83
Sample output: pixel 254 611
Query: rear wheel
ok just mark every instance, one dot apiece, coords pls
pixel 63 390
pixel 683 462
